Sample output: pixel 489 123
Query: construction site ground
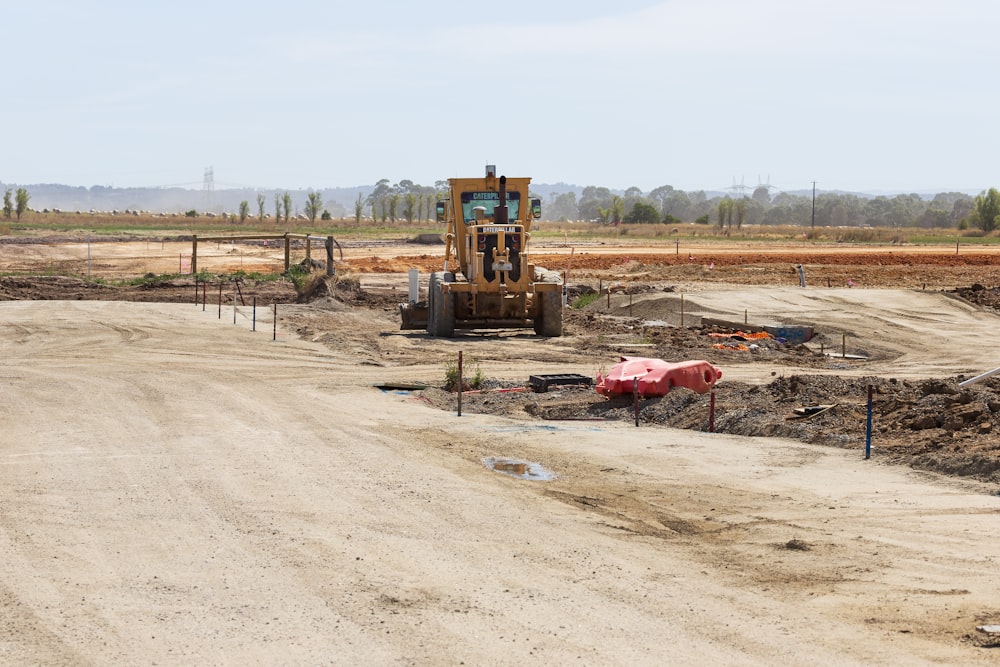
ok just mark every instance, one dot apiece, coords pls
pixel 185 480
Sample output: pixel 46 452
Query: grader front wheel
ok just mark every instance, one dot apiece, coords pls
pixel 441 306
pixel 548 322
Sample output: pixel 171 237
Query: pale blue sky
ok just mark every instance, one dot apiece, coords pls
pixel 875 95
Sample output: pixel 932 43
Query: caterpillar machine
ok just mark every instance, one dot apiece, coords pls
pixel 493 284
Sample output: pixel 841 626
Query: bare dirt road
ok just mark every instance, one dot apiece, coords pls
pixel 178 489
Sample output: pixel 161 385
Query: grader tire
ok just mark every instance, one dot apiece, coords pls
pixel 441 307
pixel 432 289
pixel 549 320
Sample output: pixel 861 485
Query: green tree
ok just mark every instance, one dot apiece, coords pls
pixel 359 209
pixel 725 211
pixel 741 211
pixel 631 196
pixel 592 200
pixel 957 204
pixel 876 211
pixel 961 208
pixel 617 209
pixel 904 209
pixel 409 206
pixel 985 210
pixel 934 217
pixel 393 206
pixel 678 205
pixel 377 199
pixel 563 207
pixel 21 198
pixel 261 199
pixel 277 208
pixel 761 195
pixel 698 205
pixel 244 211
pixel 642 213
pixel 661 194
pixel 286 203
pixel 314 206
pixel 8 203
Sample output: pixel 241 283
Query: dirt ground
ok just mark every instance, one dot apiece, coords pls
pixel 178 487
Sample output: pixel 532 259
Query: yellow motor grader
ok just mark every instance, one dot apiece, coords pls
pixel 487 281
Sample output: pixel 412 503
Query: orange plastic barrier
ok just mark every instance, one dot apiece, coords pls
pixel 757 335
pixel 736 347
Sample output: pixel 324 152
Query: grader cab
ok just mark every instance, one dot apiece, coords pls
pixel 487 281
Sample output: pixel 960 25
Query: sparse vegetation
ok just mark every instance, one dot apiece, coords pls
pixel 985 210
pixel 451 377
pixel 584 300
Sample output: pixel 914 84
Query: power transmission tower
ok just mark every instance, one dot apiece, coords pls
pixel 208 189
pixel 740 189
pixel 767 185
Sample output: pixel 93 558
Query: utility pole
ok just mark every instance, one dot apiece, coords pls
pixel 814 206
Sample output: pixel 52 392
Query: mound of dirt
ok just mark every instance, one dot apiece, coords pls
pixel 980 295
pixel 931 424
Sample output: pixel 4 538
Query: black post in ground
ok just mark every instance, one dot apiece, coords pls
pixel 461 381
pixel 711 412
pixel 868 428
pixel 635 399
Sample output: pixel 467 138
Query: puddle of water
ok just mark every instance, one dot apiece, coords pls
pixel 400 388
pixel 520 469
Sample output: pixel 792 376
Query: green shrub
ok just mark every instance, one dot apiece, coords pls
pixel 451 379
pixel 584 300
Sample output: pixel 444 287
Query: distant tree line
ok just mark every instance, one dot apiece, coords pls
pixel 669 205
pixel 406 200
pixel 403 200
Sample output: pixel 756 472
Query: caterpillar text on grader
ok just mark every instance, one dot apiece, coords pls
pixel 493 285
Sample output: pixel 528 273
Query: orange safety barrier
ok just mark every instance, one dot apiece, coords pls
pixel 656 377
pixel 757 335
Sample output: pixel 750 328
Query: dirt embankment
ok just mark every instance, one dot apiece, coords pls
pixel 932 270
pixel 930 425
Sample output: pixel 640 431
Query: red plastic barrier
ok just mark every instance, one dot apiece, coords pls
pixel 657 377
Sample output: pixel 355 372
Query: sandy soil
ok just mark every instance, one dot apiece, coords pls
pixel 177 488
